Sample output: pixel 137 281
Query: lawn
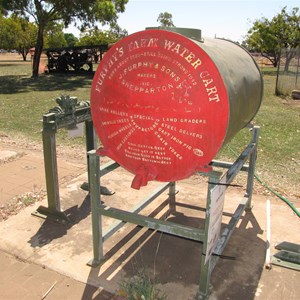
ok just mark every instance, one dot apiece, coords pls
pixel 278 150
pixel 24 100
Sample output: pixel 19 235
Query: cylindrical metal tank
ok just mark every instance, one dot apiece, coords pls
pixel 163 102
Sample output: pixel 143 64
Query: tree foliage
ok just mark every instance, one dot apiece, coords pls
pixel 8 33
pixel 269 36
pixel 96 36
pixel 54 37
pixel 165 19
pixel 17 33
pixel 84 12
pixel 71 39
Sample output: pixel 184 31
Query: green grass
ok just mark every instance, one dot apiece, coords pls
pixel 278 151
pixel 24 100
pixel 140 287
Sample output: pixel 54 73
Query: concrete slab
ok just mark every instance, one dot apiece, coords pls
pixel 29 281
pixel 174 262
pixel 26 174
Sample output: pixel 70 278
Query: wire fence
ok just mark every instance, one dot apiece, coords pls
pixel 288 72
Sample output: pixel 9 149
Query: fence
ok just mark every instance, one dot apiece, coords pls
pixel 288 72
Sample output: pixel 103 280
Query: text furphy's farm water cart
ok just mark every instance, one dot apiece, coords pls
pixel 163 103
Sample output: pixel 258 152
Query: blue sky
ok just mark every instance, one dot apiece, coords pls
pixel 221 18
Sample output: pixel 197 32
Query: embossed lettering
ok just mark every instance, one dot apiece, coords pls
pixel 143 43
pixel 188 55
pixel 207 81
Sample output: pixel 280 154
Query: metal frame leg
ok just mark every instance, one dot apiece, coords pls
pixel 205 271
pixel 53 211
pixel 94 177
pixel 91 144
pixel 172 200
pixel 251 171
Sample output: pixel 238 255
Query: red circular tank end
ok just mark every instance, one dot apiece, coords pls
pixel 160 106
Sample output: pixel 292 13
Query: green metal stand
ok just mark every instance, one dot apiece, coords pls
pixel 68 114
pixel 214 241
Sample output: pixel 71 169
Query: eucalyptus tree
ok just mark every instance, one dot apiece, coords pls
pixel 269 36
pixel 165 19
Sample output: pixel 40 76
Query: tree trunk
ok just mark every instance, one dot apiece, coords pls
pixel 23 55
pixel 273 58
pixel 38 51
pixel 289 55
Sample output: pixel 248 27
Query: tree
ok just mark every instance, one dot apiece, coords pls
pixel 93 37
pixel 71 39
pixel 96 36
pixel 54 37
pixel 8 33
pixel 85 12
pixel 269 36
pixel 26 38
pixel 117 32
pixel 17 33
pixel 165 19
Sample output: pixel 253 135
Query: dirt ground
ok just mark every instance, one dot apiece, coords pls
pixel 174 262
pixel 13 56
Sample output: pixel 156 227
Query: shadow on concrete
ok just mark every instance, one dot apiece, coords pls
pixel 176 261
pixel 239 279
pixel 92 293
pixel 51 230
